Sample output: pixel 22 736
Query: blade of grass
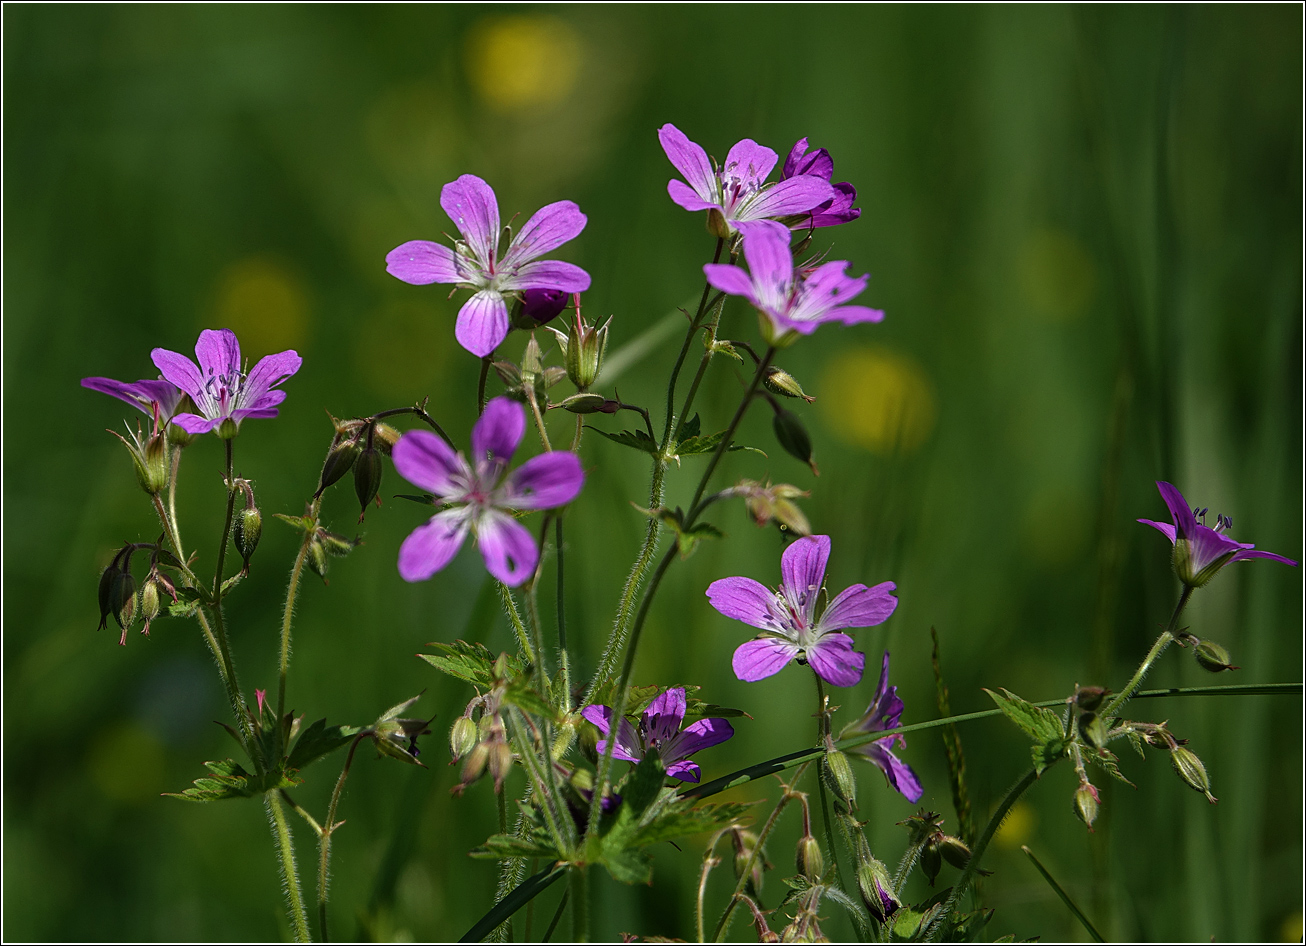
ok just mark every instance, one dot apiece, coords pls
pixel 1065 897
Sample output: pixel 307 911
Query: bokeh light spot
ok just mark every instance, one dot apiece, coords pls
pixel 264 303
pixel 1291 929
pixel 522 62
pixel 1018 827
pixel 1056 274
pixel 126 763
pixel 878 399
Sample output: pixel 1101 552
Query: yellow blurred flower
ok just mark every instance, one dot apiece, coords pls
pixel 264 303
pixel 522 62
pixel 878 399
pixel 1018 827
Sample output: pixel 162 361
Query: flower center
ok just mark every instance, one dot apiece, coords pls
pixel 1222 522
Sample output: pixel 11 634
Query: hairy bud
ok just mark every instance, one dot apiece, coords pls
pixel 1191 770
pixel 779 381
pixel 839 776
pixel 810 860
pixel 338 462
pixel 1211 656
pixel 150 603
pixel 792 436
pixel 877 890
pixel 248 528
pixel 1086 803
pixel 585 403
pixel 367 477
pixel 463 736
pixel 931 860
pixel 954 851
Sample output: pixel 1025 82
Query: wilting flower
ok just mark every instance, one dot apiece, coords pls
pixel 477 496
pixel 659 729
pixel 145 395
pixel 1200 551
pixel 474 262
pixel 791 627
pixel 885 712
pixel 738 192
pixel 789 303
pixel 223 393
pixel 819 164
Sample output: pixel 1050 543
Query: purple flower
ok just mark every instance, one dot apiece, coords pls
pixel 1199 551
pixel 819 164
pixel 791 304
pixel 738 191
pixel 474 262
pixel 659 729
pixel 789 622
pixel 885 712
pixel 223 393
pixel 477 496
pixel 144 395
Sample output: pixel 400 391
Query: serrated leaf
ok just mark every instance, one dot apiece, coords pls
pixel 302 523
pixel 318 740
pixel 1037 722
pixel 230 780
pixel 185 605
pixel 1108 762
pixel 232 582
pixel 521 694
pixel 697 709
pixel 1045 753
pixel 502 846
pixel 696 445
pixel 637 439
pixel 678 819
pixel 471 663
pixel 690 428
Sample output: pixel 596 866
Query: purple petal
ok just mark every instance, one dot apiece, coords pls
pixel 802 569
pixel 1184 520
pixel 194 424
pixel 685 771
pixel 498 431
pixel 218 352
pixel 1206 546
pixel 1165 528
pixel 179 370
pixel 825 288
pixel 268 373
pixel 770 263
pixel 482 323
pixel 421 262
pixel 762 658
pixel 549 228
pixel 685 196
pixel 133 394
pixel 508 548
pixel 1257 553
pixel 265 402
pixel 690 160
pixel 544 482
pixel 749 162
pixel 547 274
pixel 429 463
pixel 474 210
pixel 702 734
pixel 818 163
pixel 859 606
pixel 853 315
pixel 794 196
pixel 432 546
pixel 258 413
pixel 627 748
pixel 744 599
pixel 795 156
pixel 835 661
pixel 729 279
pixel 885 709
pixel 663 717
pixel 898 773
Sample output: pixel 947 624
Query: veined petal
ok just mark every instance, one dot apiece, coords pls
pixel 1206 546
pixel 792 161
pixel 432 546
pixel 1184 520
pixel 770 263
pixel 218 352
pixel 898 773
pixel 474 210
pixel 854 314
pixel 482 323
pixel 794 196
pixel 859 606
pixel 627 748
pixel 1165 528
pixel 685 770
pixel 257 413
pixel 1257 553
pixel 835 661
pixel 802 569
pixel 421 262
pixel 429 463
pixel 744 599
pixel 828 286
pixel 266 401
pixel 749 162
pixel 546 274
pixel 549 227
pixel 194 424
pixel 692 162
pixel 498 431
pixel 179 370
pixel 817 163
pixel 729 279
pixel 762 658
pixel 663 717
pixel 268 373
pixel 701 734
pixel 543 482
pixel 139 394
pixel 688 198
pixel 508 548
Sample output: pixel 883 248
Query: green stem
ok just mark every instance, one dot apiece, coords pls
pixel 564 658
pixel 557 915
pixel 289 875
pixel 324 839
pixel 288 614
pixel 580 904
pixel 717 305
pixel 1162 642
pixel 1065 897
pixel 728 437
pixel 539 419
pixel 822 735
pixel 480 382
pixel 514 618
pixel 684 350
pixel 521 895
pixel 172 500
pixel 226 529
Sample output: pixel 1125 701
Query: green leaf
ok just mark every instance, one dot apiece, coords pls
pixel 697 709
pixel 187 604
pixel 690 428
pixel 1037 722
pixel 319 740
pixel 302 523
pixel 637 439
pixel 1107 760
pixel 696 445
pixel 232 582
pixel 678 819
pixel 502 846
pixel 521 694
pixel 426 499
pixel 229 780
pixel 1045 753
pixel 472 663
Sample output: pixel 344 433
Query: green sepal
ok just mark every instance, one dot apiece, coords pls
pixel 637 439
pixel 302 523
pixel 318 740
pixel 187 603
pixel 231 582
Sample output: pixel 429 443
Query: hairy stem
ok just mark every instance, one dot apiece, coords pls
pixel 288 614
pixel 514 618
pixel 564 658
pixel 580 904
pixel 289 875
pixel 1158 648
pixel 324 838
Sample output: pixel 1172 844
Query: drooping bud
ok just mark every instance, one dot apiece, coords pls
pixel 149 603
pixel 745 843
pixel 122 599
pixel 463 736
pixel 317 557
pixel 877 890
pixel 839 776
pixel 367 477
pixel 931 860
pixel 793 437
pixel 108 578
pixel 500 763
pixel 810 861
pixel 1094 730
pixel 1090 698
pixel 1211 656
pixel 338 462
pixel 779 381
pixel 954 851
pixel 153 472
pixel 473 766
pixel 248 527
pixel 585 403
pixel 1086 803
pixel 1191 770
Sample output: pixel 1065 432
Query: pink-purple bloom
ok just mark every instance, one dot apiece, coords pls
pixel 478 498
pixel 1200 551
pixel 659 730
pixel 790 303
pixel 475 264
pixel 223 392
pixel 885 712
pixel 144 395
pixel 839 209
pixel 738 190
pixel 791 627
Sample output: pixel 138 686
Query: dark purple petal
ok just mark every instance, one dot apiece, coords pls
pixel 1184 520
pixel 802 569
pixel 730 279
pixel 794 196
pixel 218 352
pixel 835 661
pixel 1257 553
pixel 139 394
pixel 826 287
pixel 267 374
pixel 859 606
pixel 663 717
pixel 482 323
pixel 543 305
pixel 685 196
pixel 194 424
pixel 762 658
pixel 795 156
pixel 508 548
pixel 691 161
pixel 818 163
pixel 744 599
pixel 179 370
pixel 547 274
pixel 685 771
pixel 749 162
pixel 627 748
pixel 544 482
pixel 1165 528
pixel 421 262
pixel 898 773
pixel 432 546
pixel 549 228
pixel 498 431
pixel 701 734
pixel 429 463
pixel 1206 547
pixel 885 709
pixel 474 210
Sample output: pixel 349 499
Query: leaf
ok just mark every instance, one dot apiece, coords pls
pixel 502 846
pixel 521 694
pixel 229 780
pixel 697 709
pixel 1108 761
pixel 302 523
pixel 638 439
pixel 472 663
pixel 187 604
pixel 696 445
pixel 319 740
pixel 690 428
pixel 231 582
pixel 1037 722
pixel 1045 753
pixel 678 819
pixel 426 499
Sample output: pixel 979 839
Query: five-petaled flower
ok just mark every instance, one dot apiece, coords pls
pixel 885 712
pixel 791 627
pixel 477 496
pixel 223 393
pixel 819 164
pixel 659 730
pixel 144 395
pixel 789 304
pixel 1200 551
pixel 475 264
pixel 738 193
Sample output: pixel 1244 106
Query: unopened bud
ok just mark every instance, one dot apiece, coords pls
pixel 463 737
pixel 610 407
pixel 122 598
pixel 149 602
pixel 839 776
pixel 508 373
pixel 954 851
pixel 338 462
pixel 585 403
pixel 247 529
pixel 745 843
pixel 385 437
pixel 793 437
pixel 1090 698
pixel 931 861
pixel 474 765
pixel 779 381
pixel 1086 803
pixel 877 890
pixel 585 347
pixel 500 763
pixel 152 469
pixel 108 578
pixel 1211 656
pixel 1094 730
pixel 317 558
pixel 539 306
pixel 1191 770
pixel 810 860
pixel 336 544
pixel 367 478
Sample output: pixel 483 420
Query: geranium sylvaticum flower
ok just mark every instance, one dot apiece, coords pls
pixel 475 263
pixel 790 304
pixel 145 395
pixel 818 163
pixel 478 498
pixel 659 729
pixel 223 392
pixel 737 192
pixel 1200 551
pixel 885 712
pixel 792 629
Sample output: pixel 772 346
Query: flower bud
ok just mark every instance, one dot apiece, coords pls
pixel 779 381
pixel 954 851
pixel 336 544
pixel 152 469
pixel 500 763
pixel 228 429
pixel 338 462
pixel 585 347
pixel 1191 770
pixel 585 403
pixel 317 557
pixel 745 843
pixel 810 860
pixel 247 529
pixel 877 890
pixel 1211 656
pixel 508 373
pixel 122 599
pixel 792 436
pixel 1090 698
pixel 385 437
pixel 931 860
pixel 463 737
pixel 108 578
pixel 179 436
pixel 367 477
pixel 839 776
pixel 1086 803
pixel 149 603
pixel 473 766
pixel 610 407
pixel 539 306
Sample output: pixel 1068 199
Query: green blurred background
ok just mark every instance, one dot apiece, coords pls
pixel 1083 223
